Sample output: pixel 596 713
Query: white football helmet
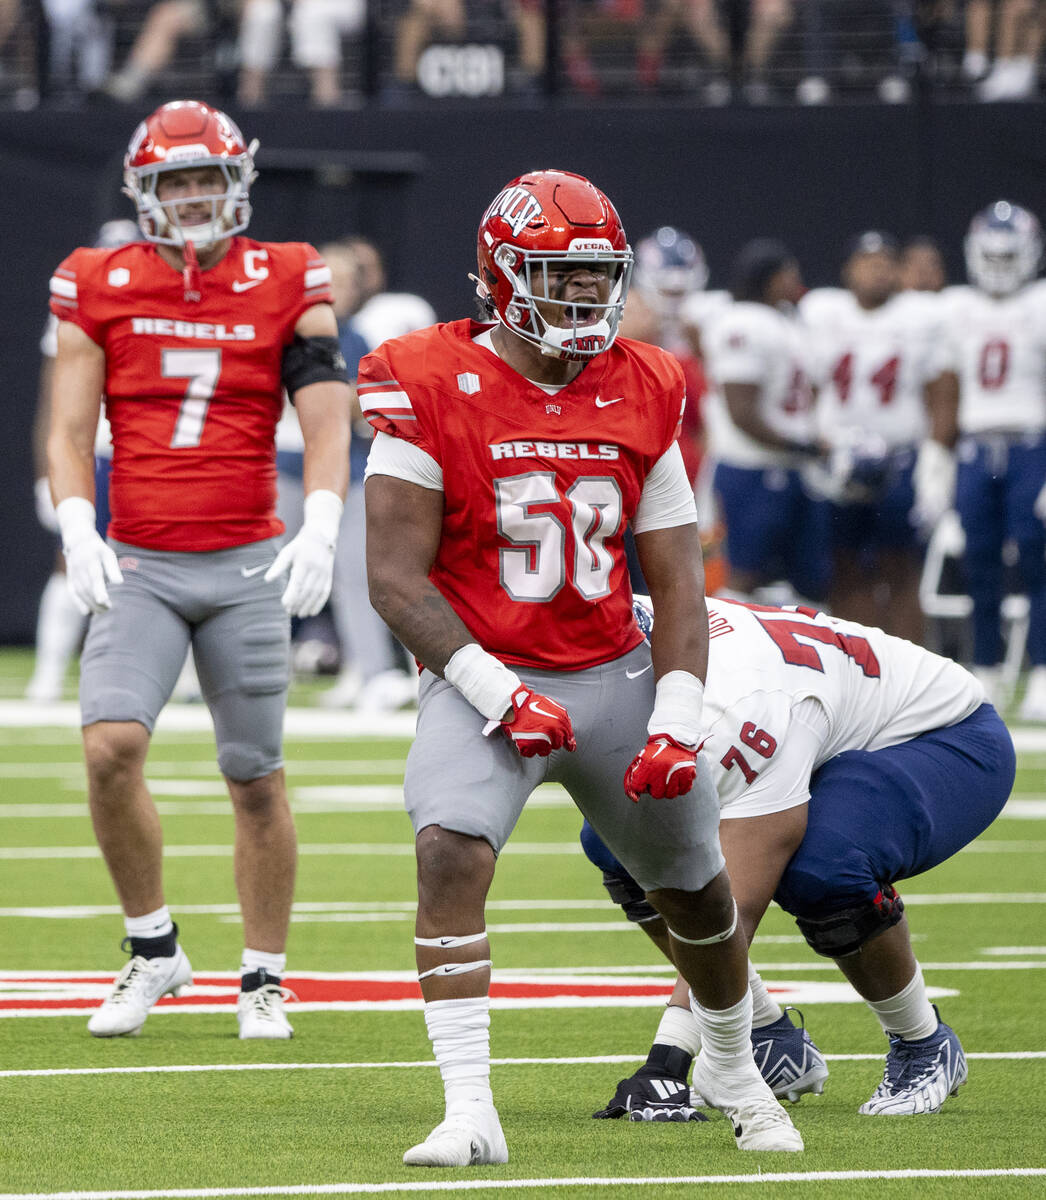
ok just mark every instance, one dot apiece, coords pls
pixel 670 265
pixel 1003 248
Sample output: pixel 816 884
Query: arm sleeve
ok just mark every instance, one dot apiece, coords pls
pixel 785 781
pixel 403 460
pixel 667 498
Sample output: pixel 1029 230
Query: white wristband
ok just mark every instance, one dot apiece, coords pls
pixel 486 683
pixel 323 511
pixel 76 519
pixel 677 707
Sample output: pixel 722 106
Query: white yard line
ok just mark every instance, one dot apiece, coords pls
pixel 370 849
pixel 580 1060
pixel 482 1185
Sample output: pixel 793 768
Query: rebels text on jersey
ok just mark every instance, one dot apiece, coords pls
pixel 192 390
pixel 538 487
pixel 874 691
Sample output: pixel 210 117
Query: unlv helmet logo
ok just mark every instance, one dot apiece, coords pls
pixel 517 206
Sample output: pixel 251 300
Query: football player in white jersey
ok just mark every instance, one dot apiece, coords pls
pixel 761 429
pixel 845 760
pixel 994 349
pixel 890 473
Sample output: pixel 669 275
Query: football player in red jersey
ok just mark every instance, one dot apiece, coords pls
pixel 193 370
pixel 509 457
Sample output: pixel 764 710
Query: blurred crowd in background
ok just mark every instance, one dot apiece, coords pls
pixel 347 53
pixel 876 449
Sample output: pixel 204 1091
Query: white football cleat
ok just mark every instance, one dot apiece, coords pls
pixel 136 989
pixel 464 1139
pixel 745 1099
pixel 260 1013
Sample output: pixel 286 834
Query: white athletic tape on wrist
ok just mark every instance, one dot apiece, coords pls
pixel 322 512
pixel 445 942
pixel 677 707
pixel 457 968
pixel 725 936
pixel 486 683
pixel 76 519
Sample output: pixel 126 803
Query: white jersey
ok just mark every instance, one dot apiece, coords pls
pixel 392 314
pixel 871 366
pixel 289 438
pixel 997 347
pixel 753 343
pixel 788 689
pixel 700 309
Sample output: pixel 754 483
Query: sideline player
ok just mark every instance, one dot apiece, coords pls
pixel 510 457
pixel 891 472
pixel 192 336
pixel 761 429
pixel 994 352
pixel 845 760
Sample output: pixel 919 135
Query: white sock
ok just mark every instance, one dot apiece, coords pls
pixel 154 924
pixel 765 1011
pixel 909 1014
pixel 726 1034
pixel 59 628
pixel 260 960
pixel 678 1028
pixel 460 1034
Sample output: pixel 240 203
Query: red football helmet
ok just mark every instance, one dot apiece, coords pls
pixel 540 220
pixel 181 134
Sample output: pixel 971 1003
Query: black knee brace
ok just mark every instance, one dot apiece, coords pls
pixel 624 890
pixel 846 931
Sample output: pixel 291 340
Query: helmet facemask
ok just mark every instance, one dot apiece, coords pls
pixel 587 328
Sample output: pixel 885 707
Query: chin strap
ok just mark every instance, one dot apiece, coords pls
pixel 191 273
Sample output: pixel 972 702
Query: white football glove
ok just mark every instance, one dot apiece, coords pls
pixel 1039 507
pixel 310 556
pixel 90 564
pixel 45 513
pixel 934 483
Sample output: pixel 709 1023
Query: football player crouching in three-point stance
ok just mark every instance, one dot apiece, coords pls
pixel 845 760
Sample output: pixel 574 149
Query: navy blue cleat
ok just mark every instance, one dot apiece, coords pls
pixel 919 1075
pixel 788 1059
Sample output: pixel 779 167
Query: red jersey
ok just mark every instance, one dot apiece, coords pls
pixel 538 487
pixel 192 390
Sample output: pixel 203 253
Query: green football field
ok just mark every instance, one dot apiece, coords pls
pixel 186 1109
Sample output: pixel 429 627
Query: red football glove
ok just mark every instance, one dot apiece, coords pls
pixel 538 724
pixel 664 767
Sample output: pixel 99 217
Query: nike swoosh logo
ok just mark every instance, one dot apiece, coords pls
pixel 247 572
pixel 636 674
pixel 535 707
pixel 245 285
pixel 607 403
pixel 446 941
